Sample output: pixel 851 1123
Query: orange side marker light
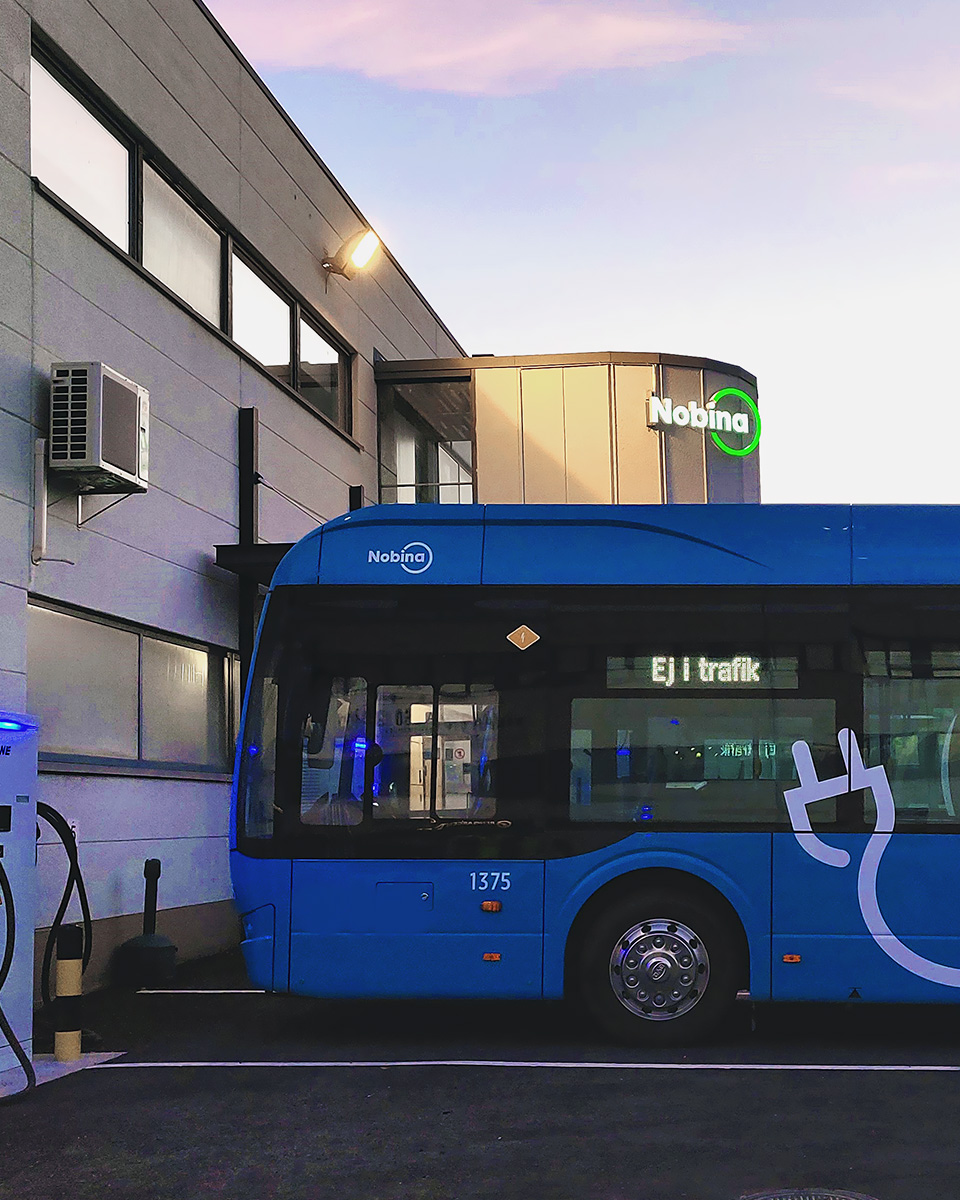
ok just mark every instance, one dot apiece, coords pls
pixel 491 958
pixel 791 958
pixel 490 905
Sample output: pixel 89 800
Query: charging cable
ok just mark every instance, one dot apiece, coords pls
pixel 74 879
pixel 63 831
pixel 5 1026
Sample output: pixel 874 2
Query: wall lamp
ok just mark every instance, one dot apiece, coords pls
pixel 355 253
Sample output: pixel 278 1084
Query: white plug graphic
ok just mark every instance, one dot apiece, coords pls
pixel 857 777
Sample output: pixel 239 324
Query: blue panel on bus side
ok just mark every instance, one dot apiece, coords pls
pixel 416 928
pixel 906 544
pixel 736 864
pixel 667 544
pixel 301 563
pixel 817 915
pixel 404 543
pixel 261 888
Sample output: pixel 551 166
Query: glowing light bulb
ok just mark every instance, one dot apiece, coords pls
pixel 365 249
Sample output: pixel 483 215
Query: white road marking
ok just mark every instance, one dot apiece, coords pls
pixel 603 1066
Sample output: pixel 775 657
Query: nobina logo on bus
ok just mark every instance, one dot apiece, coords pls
pixel 414 557
pixel 717 420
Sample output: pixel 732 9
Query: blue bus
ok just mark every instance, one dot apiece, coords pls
pixel 648 757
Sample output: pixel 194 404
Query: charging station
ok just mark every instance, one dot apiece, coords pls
pixel 18 858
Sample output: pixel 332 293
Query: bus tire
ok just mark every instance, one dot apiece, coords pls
pixel 658 968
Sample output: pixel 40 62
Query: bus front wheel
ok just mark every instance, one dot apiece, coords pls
pixel 658 968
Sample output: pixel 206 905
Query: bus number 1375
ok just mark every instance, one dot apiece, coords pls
pixel 489 881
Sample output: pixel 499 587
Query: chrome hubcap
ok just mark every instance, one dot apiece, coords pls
pixel 659 970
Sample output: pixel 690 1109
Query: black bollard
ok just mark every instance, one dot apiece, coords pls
pixel 151 873
pixel 150 960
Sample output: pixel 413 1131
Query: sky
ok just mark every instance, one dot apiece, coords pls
pixel 771 183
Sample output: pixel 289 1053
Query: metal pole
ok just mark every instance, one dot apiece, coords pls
pixel 151 873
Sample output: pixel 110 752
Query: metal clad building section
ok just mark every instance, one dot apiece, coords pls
pixel 684 449
pixel 586 427
pixel 906 544
pixel 637 445
pixel 499 442
pixel 682 544
pixel 731 478
pixel 404 543
pixel 544 459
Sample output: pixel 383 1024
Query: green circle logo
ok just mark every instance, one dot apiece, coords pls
pixel 752 405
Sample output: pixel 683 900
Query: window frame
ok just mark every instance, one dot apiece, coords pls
pixel 73 763
pixel 143 161
pixel 141 151
pixel 344 365
pixel 89 101
pixel 426 491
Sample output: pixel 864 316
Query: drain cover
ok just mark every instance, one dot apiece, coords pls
pixel 807 1194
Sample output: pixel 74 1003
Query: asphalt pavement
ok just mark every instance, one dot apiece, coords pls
pixel 220 1092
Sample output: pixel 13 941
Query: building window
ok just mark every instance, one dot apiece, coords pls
pixel 180 247
pixel 261 320
pixel 78 158
pixel 184 707
pixel 454 478
pixel 319 374
pixel 426 441
pixel 82 683
pixel 109 694
pixel 96 172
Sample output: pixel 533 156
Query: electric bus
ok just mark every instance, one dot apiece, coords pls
pixel 647 757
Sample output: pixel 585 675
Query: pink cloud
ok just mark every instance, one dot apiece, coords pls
pixel 921 89
pixel 918 174
pixel 473 47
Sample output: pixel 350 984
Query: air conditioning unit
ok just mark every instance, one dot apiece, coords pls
pixel 99 427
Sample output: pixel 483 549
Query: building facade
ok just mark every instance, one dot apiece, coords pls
pixel 603 428
pixel 161 214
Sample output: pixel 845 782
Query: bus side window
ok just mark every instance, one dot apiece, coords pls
pixel 911 702
pixel 693 759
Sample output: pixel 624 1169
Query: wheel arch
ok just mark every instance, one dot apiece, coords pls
pixel 646 878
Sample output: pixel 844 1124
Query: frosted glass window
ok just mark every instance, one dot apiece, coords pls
pixel 183 704
pixel 82 684
pixel 179 247
pixel 261 320
pixel 76 157
pixel 320 373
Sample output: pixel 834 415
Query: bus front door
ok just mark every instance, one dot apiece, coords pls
pixel 423 927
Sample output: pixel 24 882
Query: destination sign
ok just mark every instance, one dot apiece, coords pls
pixel 698 672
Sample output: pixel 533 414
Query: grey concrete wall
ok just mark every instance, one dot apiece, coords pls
pixel 64 296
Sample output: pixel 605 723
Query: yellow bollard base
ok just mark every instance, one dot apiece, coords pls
pixel 66 1046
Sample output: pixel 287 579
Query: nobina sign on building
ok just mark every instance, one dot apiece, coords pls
pixel 665 412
